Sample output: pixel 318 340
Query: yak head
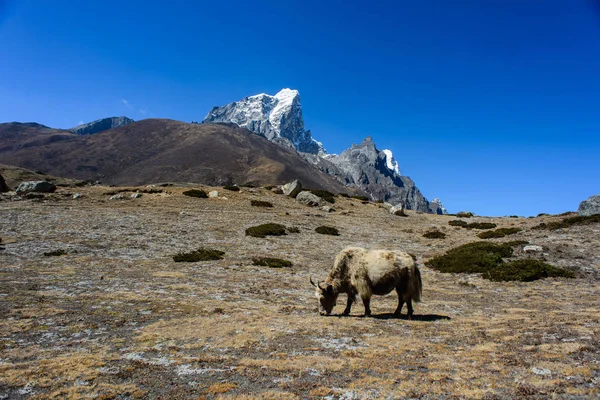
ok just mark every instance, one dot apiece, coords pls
pixel 327 298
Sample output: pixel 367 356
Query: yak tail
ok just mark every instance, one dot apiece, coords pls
pixel 416 285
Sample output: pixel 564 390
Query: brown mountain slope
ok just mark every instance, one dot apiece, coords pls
pixel 158 150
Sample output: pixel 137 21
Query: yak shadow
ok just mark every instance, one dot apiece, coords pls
pixel 415 317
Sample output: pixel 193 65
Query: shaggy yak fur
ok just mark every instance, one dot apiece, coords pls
pixel 362 272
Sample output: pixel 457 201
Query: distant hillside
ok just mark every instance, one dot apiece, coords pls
pixel 159 150
pixel 101 125
pixel 15 175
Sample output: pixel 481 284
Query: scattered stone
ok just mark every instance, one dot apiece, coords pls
pixel 292 189
pixel 136 195
pixel 214 194
pixel 541 371
pixel 532 249
pixel 309 199
pixel 3 185
pixel 77 196
pixel 328 209
pixel 118 196
pixel 36 186
pixel 588 207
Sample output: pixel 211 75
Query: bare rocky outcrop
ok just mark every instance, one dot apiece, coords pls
pixel 36 186
pixel 309 199
pixel 588 207
pixel 101 125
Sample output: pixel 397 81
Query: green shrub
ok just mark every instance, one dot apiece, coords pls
pixel 55 253
pixel 264 230
pixel 480 225
pixel 568 222
pixel 464 214
pixel 435 235
pixel 526 271
pixel 293 229
pixel 542 214
pixel 346 195
pixel 514 243
pixel 458 222
pixel 513 216
pixel 327 230
pixel 498 233
pixel 250 184
pixel 471 258
pixel 272 262
pixel 196 193
pixel 259 203
pixel 232 188
pixel 362 198
pixel 199 255
pixel 324 194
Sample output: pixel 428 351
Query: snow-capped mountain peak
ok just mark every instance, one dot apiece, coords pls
pixel 391 162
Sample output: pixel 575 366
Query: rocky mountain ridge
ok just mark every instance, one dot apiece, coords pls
pixel 100 125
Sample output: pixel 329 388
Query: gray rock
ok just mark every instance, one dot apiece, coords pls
pixel 531 248
pixel 292 189
pixel 136 195
pixel 101 125
pixel 309 199
pixel 397 210
pixel 118 196
pixel 36 186
pixel 77 196
pixel 214 194
pixel 328 209
pixel 3 185
pixel 278 118
pixel 591 206
pixel 387 205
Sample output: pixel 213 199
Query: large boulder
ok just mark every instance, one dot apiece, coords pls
pixel 397 210
pixel 36 186
pixel 292 189
pixel 590 206
pixel 309 199
pixel 3 185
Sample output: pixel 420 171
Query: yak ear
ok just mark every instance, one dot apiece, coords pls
pixel 329 289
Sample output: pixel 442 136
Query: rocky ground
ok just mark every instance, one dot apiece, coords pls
pixel 116 317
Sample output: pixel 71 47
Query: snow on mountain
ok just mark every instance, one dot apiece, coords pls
pixel 437 206
pixel 392 164
pixel 278 118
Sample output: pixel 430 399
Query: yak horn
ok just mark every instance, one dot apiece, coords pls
pixel 312 283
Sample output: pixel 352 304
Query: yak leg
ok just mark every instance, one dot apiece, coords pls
pixel 410 308
pixel 366 303
pixel 349 304
pixel 400 303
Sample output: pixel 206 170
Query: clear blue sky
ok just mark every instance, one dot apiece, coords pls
pixel 493 105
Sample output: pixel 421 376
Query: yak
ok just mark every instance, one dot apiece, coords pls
pixel 362 272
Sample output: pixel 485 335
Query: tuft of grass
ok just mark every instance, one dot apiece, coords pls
pixel 261 231
pixel 568 222
pixel 498 233
pixel 324 194
pixel 199 255
pixel 327 230
pixel 481 225
pixel 272 262
pixel 471 258
pixel 231 188
pixel 464 214
pixel 293 229
pixel 259 203
pixel 55 253
pixel 196 193
pixel 526 271
pixel 458 222
pixel 435 235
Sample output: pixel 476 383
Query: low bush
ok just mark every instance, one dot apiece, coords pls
pixel 568 222
pixel 293 229
pixel 362 198
pixel 261 231
pixel 480 225
pixel 346 195
pixel 232 188
pixel 199 255
pixel 458 222
pixel 259 203
pixel 327 230
pixel 55 253
pixel 515 243
pixel 272 262
pixel 435 235
pixel 196 193
pixel 526 271
pixel 498 233
pixel 324 194
pixel 464 214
